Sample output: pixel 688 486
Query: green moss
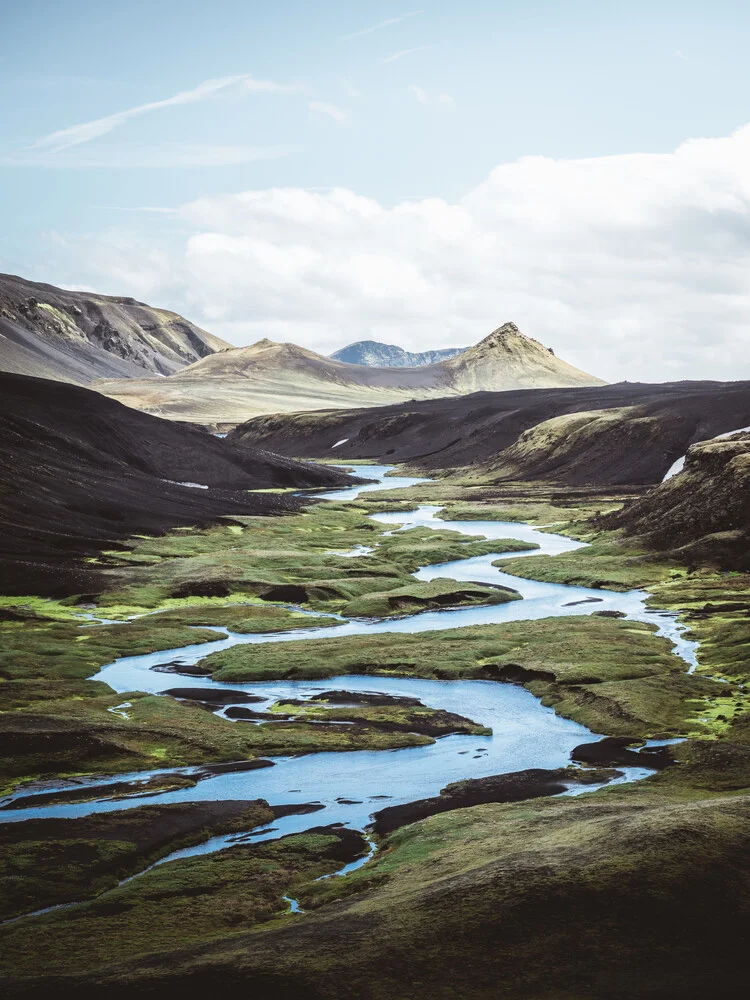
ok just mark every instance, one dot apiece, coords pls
pixel 47 862
pixel 606 562
pixel 436 593
pixel 193 900
pixel 614 676
pixel 390 718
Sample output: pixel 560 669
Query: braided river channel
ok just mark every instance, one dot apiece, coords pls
pixel 352 785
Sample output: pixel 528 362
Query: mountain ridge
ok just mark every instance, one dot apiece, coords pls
pixel 77 337
pixel 226 388
pixel 375 354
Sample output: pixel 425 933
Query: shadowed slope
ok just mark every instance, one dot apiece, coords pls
pixel 78 471
pixel 609 435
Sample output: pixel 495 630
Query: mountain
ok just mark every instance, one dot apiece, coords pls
pixel 703 512
pixel 628 433
pixel 80 336
pixel 79 471
pixel 227 388
pixel 377 355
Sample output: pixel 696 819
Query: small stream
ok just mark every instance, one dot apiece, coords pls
pixel 352 785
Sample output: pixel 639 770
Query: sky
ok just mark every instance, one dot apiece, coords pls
pixel 417 173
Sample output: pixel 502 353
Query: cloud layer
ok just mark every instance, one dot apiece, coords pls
pixel 632 266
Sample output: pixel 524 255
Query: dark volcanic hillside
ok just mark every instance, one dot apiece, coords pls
pixel 79 471
pixel 704 512
pixel 79 336
pixel 376 355
pixel 607 435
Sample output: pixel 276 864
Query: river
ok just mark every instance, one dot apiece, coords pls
pixel 351 785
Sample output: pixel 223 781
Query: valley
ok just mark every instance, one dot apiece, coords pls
pixel 310 703
pixel 604 657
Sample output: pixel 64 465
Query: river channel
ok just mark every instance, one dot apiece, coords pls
pixel 352 785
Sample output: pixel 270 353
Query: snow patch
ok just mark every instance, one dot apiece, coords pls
pixel 194 486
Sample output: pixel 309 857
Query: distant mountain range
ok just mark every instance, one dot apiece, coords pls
pixel 157 361
pixel 376 355
pixel 81 336
pixel 226 388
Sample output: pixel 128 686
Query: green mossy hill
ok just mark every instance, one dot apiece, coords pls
pixel 428 547
pixel 716 606
pixel 614 676
pixel 394 717
pixel 50 861
pixel 45 659
pixel 608 562
pixel 73 737
pixel 183 902
pixel 420 596
pixel 531 512
pixel 291 560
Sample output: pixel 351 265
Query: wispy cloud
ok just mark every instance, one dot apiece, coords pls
pixel 86 131
pixel 136 156
pixel 442 101
pixel 382 24
pixel 322 108
pixel 404 52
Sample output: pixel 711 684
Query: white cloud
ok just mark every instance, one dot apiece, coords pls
pixel 331 110
pixel 634 266
pixel 86 131
pixel 443 102
pixel 404 52
pixel 381 24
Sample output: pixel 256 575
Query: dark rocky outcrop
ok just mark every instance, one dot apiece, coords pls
pixel 214 695
pixel 615 751
pixel 702 513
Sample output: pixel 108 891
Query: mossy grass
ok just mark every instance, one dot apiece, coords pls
pixel 182 902
pixel 615 676
pixel 48 862
pixel 389 718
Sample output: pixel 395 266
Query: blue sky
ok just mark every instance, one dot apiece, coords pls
pixel 197 104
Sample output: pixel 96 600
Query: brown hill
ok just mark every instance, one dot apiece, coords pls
pixel 267 377
pixel 79 471
pixel 80 336
pixel 625 434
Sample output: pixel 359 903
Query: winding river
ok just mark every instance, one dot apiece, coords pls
pixel 352 785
